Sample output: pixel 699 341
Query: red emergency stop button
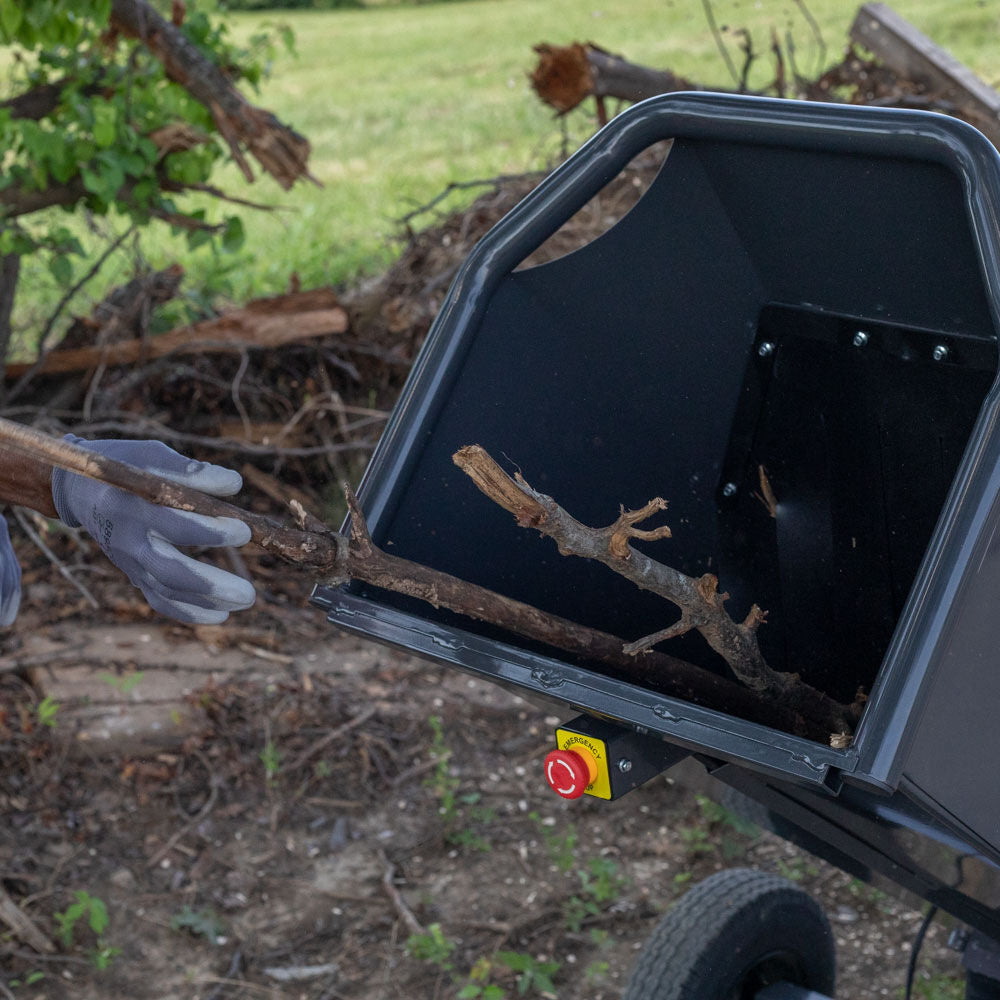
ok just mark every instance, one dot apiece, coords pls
pixel 568 772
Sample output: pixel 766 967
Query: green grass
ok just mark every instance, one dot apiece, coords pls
pixel 398 101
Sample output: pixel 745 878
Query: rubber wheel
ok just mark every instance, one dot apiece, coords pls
pixel 732 935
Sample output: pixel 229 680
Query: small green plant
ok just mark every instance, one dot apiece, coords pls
pixel 682 878
pixel 460 814
pixel 47 710
pixel 88 906
pixel 939 988
pixel 597 969
pixel 125 684
pixel 103 955
pixel 270 757
pixel 29 980
pixel 477 985
pixel 600 884
pixel 532 973
pixel 797 868
pixel 733 829
pixel 205 922
pixel 561 845
pixel 718 815
pixel 432 946
pixel 695 840
pixel 96 913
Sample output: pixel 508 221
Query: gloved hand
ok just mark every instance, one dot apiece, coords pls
pixel 140 538
pixel 10 578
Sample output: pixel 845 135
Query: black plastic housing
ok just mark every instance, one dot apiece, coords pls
pixel 808 290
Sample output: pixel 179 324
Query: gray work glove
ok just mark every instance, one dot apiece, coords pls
pixel 141 538
pixel 10 578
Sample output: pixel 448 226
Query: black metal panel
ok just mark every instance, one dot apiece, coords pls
pixel 841 481
pixel 589 374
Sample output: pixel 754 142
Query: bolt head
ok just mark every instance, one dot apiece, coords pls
pixel 624 765
pixel 729 490
pixel 860 338
pixel 940 353
pixel 765 349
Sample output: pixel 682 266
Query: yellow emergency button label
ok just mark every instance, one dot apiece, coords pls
pixel 600 786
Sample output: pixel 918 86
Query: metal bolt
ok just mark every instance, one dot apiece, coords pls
pixel 860 338
pixel 940 353
pixel 958 940
pixel 729 490
pixel 765 349
pixel 624 765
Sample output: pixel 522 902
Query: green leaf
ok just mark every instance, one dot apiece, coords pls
pixel 233 235
pixel 198 238
pixel 10 18
pixel 62 269
pixel 104 125
pixel 98 915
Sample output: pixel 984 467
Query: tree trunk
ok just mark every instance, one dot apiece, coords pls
pixel 567 75
pixel 10 269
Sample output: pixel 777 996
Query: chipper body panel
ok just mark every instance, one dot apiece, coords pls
pixel 793 338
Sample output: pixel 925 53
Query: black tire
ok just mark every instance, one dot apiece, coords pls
pixel 732 935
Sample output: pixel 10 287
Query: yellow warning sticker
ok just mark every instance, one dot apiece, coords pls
pixel 600 787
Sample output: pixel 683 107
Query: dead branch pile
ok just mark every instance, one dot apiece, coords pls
pixel 887 63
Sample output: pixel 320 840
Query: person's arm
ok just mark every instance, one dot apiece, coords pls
pixel 26 483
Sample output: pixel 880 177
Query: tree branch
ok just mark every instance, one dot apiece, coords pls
pixel 279 150
pixel 702 606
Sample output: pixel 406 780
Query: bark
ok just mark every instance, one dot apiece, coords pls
pixel 10 269
pixel 265 324
pixel 280 151
pixel 567 75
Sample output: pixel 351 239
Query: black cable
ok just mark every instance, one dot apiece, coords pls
pixel 918 941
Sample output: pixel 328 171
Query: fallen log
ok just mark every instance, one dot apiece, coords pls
pixel 566 75
pixel 261 324
pixel 912 56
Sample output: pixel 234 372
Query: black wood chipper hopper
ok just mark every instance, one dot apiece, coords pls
pixel 792 337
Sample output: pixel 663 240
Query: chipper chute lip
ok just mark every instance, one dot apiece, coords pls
pixel 959 545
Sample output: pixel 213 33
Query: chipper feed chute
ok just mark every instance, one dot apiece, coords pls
pixel 792 337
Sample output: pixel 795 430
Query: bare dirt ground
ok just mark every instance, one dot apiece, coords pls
pixel 268 810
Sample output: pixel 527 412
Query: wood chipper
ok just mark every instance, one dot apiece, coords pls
pixel 792 338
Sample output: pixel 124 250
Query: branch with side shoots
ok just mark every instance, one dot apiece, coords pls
pixel 701 605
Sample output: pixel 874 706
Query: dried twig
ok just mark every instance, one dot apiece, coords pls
pixel 64 570
pixel 179 835
pixel 22 926
pixel 331 737
pixel 701 605
pixel 406 914
pixel 719 43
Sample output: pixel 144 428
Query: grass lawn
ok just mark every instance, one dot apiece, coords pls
pixel 399 101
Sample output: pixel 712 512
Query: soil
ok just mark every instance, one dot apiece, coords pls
pixel 266 810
